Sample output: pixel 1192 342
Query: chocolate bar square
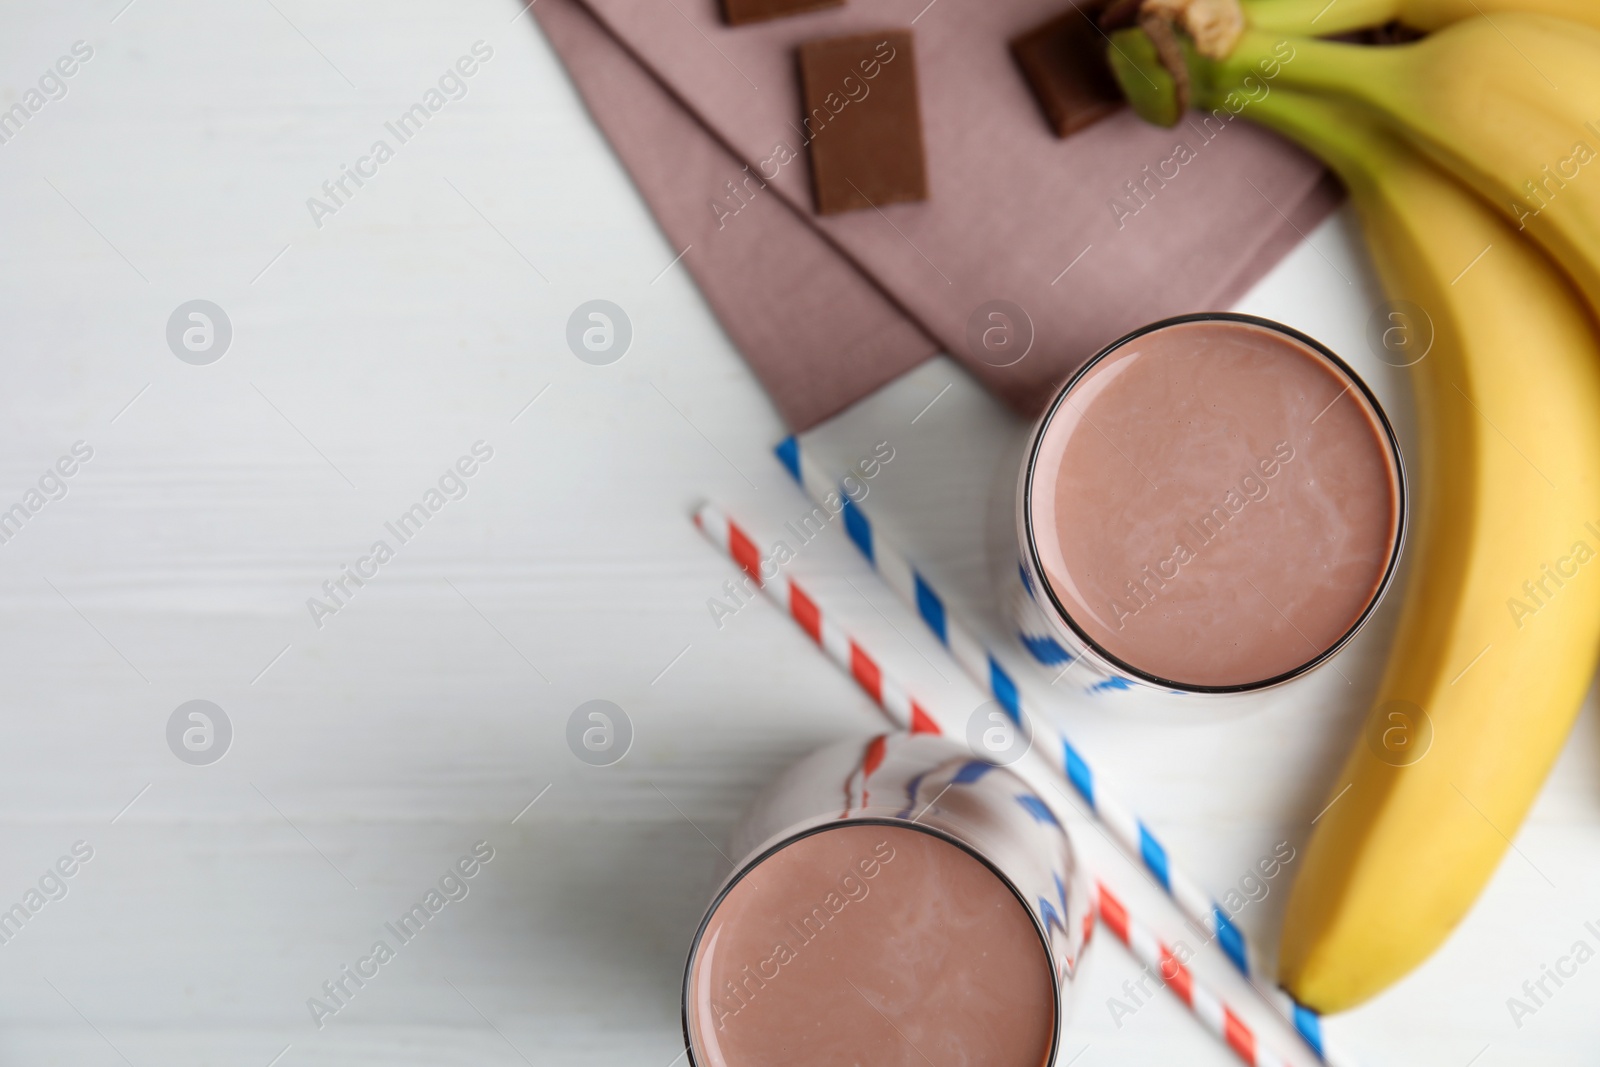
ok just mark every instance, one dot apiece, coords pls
pixel 862 121
pixel 739 12
pixel 1064 61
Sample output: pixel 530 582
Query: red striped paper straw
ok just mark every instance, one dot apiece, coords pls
pixel 896 702
pixel 1214 1013
pixel 908 713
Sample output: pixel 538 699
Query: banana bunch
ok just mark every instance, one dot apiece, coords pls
pixel 1460 160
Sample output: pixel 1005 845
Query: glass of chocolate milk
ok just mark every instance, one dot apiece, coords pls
pixel 893 903
pixel 1213 504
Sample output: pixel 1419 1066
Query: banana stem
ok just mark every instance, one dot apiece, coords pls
pixel 1319 17
pixel 1327 129
pixel 1259 65
pixel 1302 63
pixel 1145 81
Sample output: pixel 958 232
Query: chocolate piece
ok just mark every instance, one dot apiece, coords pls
pixel 1064 61
pixel 862 121
pixel 739 12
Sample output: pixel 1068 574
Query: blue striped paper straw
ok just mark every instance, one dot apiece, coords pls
pixel 1126 829
pixel 894 697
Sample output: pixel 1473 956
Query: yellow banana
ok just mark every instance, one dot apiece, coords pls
pixel 1499 634
pixel 1510 106
pixel 1321 18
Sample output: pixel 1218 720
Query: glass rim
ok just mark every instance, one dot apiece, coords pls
pixel 761 857
pixel 1392 446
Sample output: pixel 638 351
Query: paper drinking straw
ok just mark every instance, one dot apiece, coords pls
pixel 908 713
pixel 1212 1011
pixel 890 695
pixel 916 590
pixel 1128 831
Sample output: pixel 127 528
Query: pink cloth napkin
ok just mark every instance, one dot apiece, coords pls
pixel 827 309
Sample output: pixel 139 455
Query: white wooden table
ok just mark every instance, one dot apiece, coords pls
pixel 423 716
